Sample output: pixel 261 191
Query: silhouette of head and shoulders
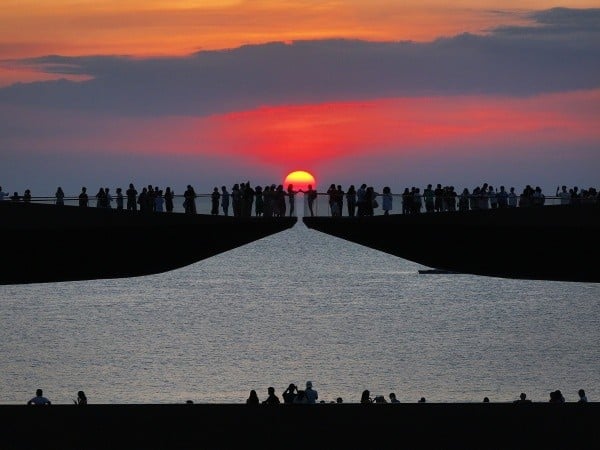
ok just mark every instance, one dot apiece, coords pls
pixel 39 399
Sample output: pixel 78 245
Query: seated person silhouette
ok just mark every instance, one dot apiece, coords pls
pixel 522 399
pixel 39 399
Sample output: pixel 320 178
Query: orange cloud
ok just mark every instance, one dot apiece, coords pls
pixel 176 27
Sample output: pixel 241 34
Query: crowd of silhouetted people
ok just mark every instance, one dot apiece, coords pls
pixel 364 200
pixel 272 200
pixel 292 394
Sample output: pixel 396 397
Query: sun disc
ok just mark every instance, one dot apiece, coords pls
pixel 300 179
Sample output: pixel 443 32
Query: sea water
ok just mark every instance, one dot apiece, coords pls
pixel 296 306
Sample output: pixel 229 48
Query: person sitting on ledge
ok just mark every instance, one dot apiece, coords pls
pixel 556 397
pixel 365 398
pixel 582 396
pixel 290 394
pixel 522 399
pixel 253 398
pixel 81 399
pixel 39 399
pixel 422 400
pixel 272 398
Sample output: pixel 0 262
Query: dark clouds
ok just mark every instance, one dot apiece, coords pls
pixel 561 53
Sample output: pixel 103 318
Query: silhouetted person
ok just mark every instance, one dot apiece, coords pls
pixel 406 202
pixel 272 398
pixel 538 198
pixel 190 200
pixel 502 197
pixel 300 398
pixel 351 201
pixel 60 196
pixel 39 399
pixel 438 198
pixel 159 201
pixel 339 400
pixel 100 198
pixel 311 196
pixel 582 396
pixel 169 195
pixel 417 200
pixel 422 400
pixel 132 196
pixel 513 198
pixel 311 394
pixel 150 194
pixel 259 201
pixel 365 398
pixel 142 200
pixel 522 399
pixel 486 400
pixel 81 399
pixel 108 198
pixel 215 198
pixel 386 201
pixel 463 200
pixel 15 197
pixel 120 199
pixel 27 196
pixel 564 195
pixel 252 398
pixel 291 192
pixel 83 198
pixel 361 193
pixel 393 398
pixel 248 194
pixel 290 394
pixel 556 397
pixel 3 194
pixel 428 198
pixel 492 197
pixel 280 206
pixel 225 200
pixel 339 196
pixel 370 201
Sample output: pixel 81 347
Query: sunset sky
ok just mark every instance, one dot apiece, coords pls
pixel 383 92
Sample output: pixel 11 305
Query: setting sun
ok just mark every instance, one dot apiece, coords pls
pixel 300 179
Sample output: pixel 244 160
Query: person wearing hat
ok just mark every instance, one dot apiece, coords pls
pixel 311 394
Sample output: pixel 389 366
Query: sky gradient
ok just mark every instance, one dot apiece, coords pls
pixel 104 93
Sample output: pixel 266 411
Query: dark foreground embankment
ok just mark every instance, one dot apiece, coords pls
pixel 429 425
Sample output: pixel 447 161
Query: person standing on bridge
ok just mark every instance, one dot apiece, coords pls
pixel 311 394
pixel 292 198
pixel 132 195
pixel 311 195
pixel 190 200
pixel 215 197
pixel 225 200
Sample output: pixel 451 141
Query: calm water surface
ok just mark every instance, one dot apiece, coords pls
pixel 297 306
